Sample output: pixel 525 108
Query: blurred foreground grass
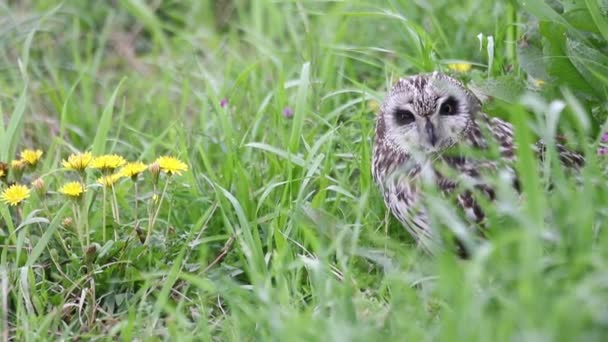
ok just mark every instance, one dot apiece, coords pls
pixel 276 231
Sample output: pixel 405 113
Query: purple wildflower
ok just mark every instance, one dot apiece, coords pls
pixel 605 137
pixel 287 112
pixel 224 102
pixel 602 151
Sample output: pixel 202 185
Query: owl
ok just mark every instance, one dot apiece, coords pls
pixel 425 123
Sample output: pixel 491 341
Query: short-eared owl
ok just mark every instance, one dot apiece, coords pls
pixel 423 122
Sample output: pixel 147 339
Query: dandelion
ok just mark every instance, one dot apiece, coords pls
pixel 154 169
pixel 67 222
pixel 287 113
pixel 171 165
pixel 460 67
pixel 224 102
pixel 31 156
pixel 15 194
pixel 72 189
pixel 109 180
pixel 39 186
pixel 18 164
pixel 133 169
pixel 108 162
pixel 78 162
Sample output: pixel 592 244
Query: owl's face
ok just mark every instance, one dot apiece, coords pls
pixel 427 113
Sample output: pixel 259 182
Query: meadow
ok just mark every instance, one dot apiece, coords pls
pixel 200 170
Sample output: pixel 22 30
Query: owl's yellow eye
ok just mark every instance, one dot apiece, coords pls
pixel 403 116
pixel 448 107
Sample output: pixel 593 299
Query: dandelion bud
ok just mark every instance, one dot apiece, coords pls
pixel 3 171
pixel 18 166
pixel 91 253
pixel 38 185
pixel 154 169
pixel 67 222
pixel 141 234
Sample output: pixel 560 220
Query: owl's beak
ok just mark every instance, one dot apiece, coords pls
pixel 430 132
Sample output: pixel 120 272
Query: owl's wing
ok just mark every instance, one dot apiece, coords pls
pixel 470 170
pixel 570 159
pixel 502 133
pixel 403 199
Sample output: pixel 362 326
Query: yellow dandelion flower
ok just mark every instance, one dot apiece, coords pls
pixel 133 169
pixel 18 164
pixel 31 156
pixel 460 67
pixel 108 162
pixel 15 194
pixel 78 162
pixel 109 180
pixel 72 189
pixel 171 165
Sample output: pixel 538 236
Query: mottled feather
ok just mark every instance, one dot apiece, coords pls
pixel 438 117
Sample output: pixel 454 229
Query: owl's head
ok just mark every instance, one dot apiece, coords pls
pixel 427 113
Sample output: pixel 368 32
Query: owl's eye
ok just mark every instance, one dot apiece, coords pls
pixel 404 116
pixel 448 107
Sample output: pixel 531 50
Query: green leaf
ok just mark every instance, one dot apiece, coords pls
pixel 599 18
pixel 44 240
pixel 530 56
pixel 581 19
pixel 105 123
pixel 591 63
pixel 146 16
pixel 301 108
pixel 559 67
pixel 13 132
pixel 504 88
pixel 543 11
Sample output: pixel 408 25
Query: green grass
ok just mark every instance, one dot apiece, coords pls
pixel 277 231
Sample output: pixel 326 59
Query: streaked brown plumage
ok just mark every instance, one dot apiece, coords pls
pixel 424 117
